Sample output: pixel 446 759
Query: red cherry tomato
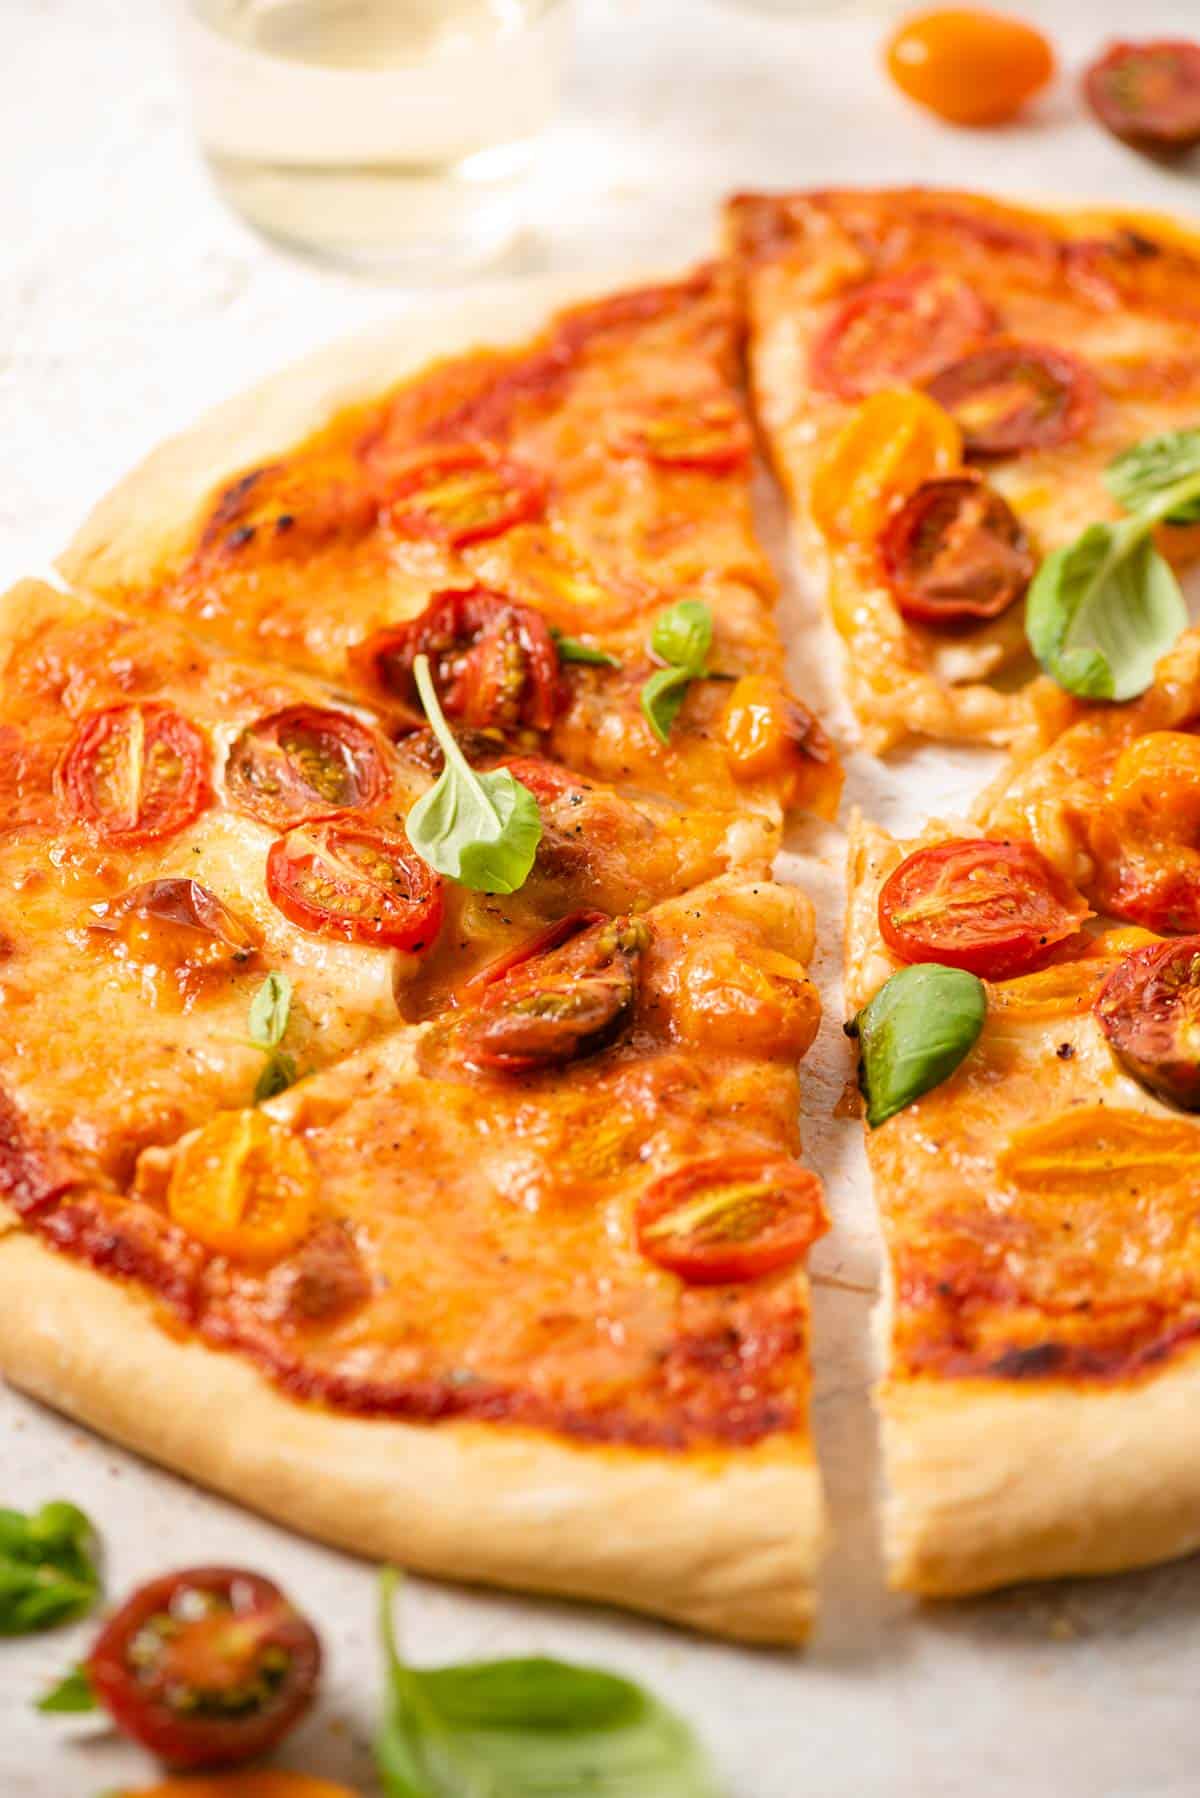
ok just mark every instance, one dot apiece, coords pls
pixel 546 780
pixel 463 494
pixel 996 909
pixel 898 332
pixel 494 662
pixel 560 1005
pixel 1149 1009
pixel 360 885
pixel 206 1668
pixel 955 552
pixel 1148 94
pixel 1015 396
pixel 541 943
pixel 305 762
pixel 135 774
pixel 710 435
pixel 734 1217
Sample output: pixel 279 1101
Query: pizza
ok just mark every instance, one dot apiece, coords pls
pixel 942 380
pixel 513 1294
pixel 522 513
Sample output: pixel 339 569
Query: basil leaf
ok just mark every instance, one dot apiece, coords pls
pixel 662 697
pixel 1140 477
pixel 1102 610
pixel 682 635
pixel 574 649
pixel 269 1011
pixel 530 1729
pixel 71 1696
pixel 279 1072
pixel 47 1571
pixel 916 1030
pixel 481 830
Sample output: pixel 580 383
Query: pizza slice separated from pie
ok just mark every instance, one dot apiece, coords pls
pixel 563 525
pixel 1030 1076
pixel 943 381
pixel 515 1294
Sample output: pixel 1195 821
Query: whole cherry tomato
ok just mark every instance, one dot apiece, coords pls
pixel 968 66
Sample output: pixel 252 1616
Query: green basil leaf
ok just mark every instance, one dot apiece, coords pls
pixel 481 830
pixel 279 1072
pixel 269 1011
pixel 1102 610
pixel 916 1030
pixel 662 696
pixel 682 635
pixel 530 1729
pixel 71 1696
pixel 574 649
pixel 47 1570
pixel 1147 474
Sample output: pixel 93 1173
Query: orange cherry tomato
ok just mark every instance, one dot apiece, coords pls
pixel 891 443
pixel 1155 786
pixel 244 1186
pixel 769 735
pixel 968 66
pixel 267 1782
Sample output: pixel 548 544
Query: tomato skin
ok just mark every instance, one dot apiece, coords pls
pixel 968 66
pixel 1165 113
pixel 955 553
pixel 546 780
pixel 162 1681
pixel 893 442
pixel 561 1005
pixel 177 924
pixel 305 761
pixel 541 943
pixel 900 331
pixel 1040 398
pixel 774 1212
pixel 135 774
pixel 356 884
pixel 244 1187
pixel 494 662
pixel 463 494
pixel 994 908
pixel 1149 1011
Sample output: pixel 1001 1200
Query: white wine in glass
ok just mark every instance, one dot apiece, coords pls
pixel 394 135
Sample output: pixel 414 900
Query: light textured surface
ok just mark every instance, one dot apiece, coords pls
pixel 129 301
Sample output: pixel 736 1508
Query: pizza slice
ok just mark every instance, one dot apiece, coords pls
pixel 943 380
pixel 563 524
pixel 514 1295
pixel 206 884
pixel 1030 1074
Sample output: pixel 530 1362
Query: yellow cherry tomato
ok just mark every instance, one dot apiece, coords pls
pixel 893 441
pixel 244 1186
pixel 969 67
pixel 1155 786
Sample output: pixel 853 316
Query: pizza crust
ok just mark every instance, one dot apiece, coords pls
pixel 151 517
pixel 726 1543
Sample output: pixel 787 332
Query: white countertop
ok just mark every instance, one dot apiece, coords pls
pixel 130 301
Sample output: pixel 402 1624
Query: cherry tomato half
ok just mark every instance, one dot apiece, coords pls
pixel 996 909
pixel 956 552
pixel 559 1006
pixel 359 885
pixel 546 780
pixel 135 773
pixel 264 1782
pixel 304 762
pixel 968 66
pixel 494 662
pixel 177 924
pixel 207 1667
pixel 733 1217
pixel 1149 1009
pixel 244 1186
pixel 890 443
pixel 1016 396
pixel 1148 94
pixel 541 943
pixel 898 332
pixel 710 435
pixel 463 494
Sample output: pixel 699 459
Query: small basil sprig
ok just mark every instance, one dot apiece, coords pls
pixel 574 649
pixel 528 1729
pixel 71 1697
pixel 481 830
pixel 270 1009
pixel 916 1030
pixel 681 639
pixel 1102 610
pixel 47 1568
